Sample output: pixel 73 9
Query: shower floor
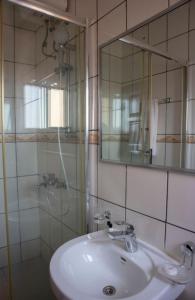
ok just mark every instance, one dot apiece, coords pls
pixel 30 281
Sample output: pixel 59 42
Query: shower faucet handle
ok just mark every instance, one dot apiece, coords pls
pixel 188 250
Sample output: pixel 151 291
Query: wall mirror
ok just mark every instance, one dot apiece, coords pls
pixel 146 118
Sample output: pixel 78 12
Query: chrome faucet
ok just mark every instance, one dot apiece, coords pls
pixel 127 235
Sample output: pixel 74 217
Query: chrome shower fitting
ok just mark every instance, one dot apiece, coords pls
pixel 102 218
pixel 51 180
pixel 188 251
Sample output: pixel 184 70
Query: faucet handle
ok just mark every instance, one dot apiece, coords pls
pixel 129 227
pixel 188 249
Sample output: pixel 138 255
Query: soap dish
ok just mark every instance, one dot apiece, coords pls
pixel 176 273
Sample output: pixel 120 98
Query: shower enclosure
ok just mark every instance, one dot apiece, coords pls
pixel 43 143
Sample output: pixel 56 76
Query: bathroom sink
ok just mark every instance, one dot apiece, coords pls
pixel 98 268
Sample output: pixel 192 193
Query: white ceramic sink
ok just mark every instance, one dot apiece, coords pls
pixel 83 269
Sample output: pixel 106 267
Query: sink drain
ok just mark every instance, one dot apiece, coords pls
pixel 109 290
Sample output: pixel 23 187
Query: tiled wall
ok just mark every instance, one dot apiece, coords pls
pixel 159 203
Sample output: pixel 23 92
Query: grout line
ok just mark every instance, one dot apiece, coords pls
pixel 180 227
pixel 110 11
pixel 59 220
pixel 148 216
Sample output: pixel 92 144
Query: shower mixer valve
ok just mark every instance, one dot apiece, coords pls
pixel 50 179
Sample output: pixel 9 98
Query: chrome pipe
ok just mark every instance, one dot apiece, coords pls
pixel 87 124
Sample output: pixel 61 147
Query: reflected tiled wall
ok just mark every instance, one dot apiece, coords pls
pixel 159 203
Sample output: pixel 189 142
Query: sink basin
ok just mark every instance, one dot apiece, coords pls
pixel 94 269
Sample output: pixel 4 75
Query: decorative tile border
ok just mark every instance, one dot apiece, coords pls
pixel 78 137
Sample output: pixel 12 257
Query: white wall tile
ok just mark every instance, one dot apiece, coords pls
pixel 151 197
pixel 44 226
pixel 190 156
pixel 139 11
pixel 175 237
pixel 115 69
pixel 3 238
pixel 181 204
pixel 192 47
pixel 9 79
pixel 105 6
pixel 29 224
pixel 15 255
pixel 3 258
pixel 28 118
pixel 27 158
pixel 24 46
pixel 190 117
pixel 192 13
pixel 159 158
pixel 9 115
pixel 178 47
pixel 173 155
pixel 159 86
pixel 24 76
pixel 30 249
pixel 175 26
pixel 86 8
pixel 46 252
pixel 159 63
pixel 28 192
pixel 174 85
pixel 173 125
pixel 55 233
pixel 70 163
pixel 12 194
pixel 162 119
pixel 147 229
pixel 158 30
pixel 67 234
pixel 10 160
pixel 112 24
pixel 14 232
pixel 8 13
pixel 8 32
pixel 111 183
pixel 71 210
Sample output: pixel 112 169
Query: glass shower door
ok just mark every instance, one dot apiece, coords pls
pixel 44 110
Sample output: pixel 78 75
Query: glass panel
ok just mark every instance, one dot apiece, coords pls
pixel 143 97
pixel 125 91
pixel 44 125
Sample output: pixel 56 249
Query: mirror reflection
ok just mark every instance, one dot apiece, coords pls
pixel 143 104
